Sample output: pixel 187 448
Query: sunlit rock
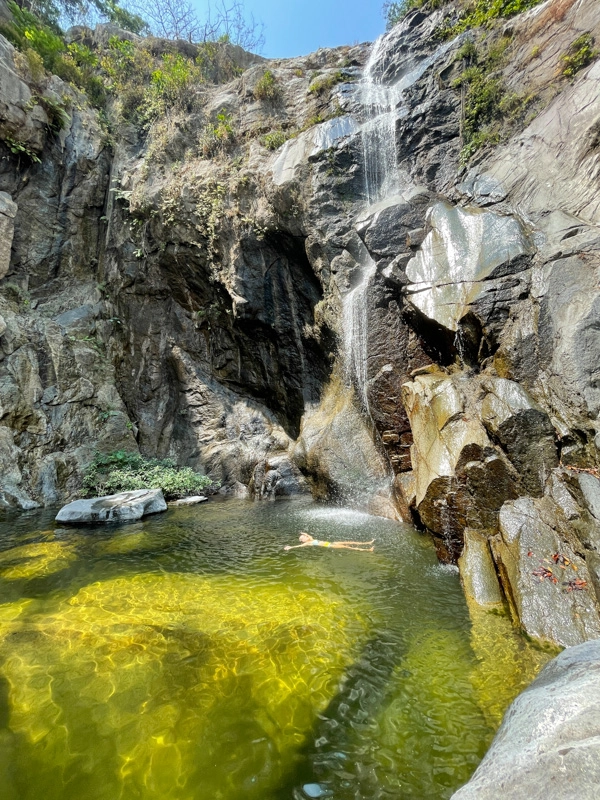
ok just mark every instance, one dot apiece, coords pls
pixel 121 507
pixel 548 744
pixel 465 248
pixel 545 579
pixel 478 573
pixel 462 480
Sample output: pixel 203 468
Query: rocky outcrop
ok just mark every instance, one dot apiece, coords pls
pixel 548 744
pixel 121 507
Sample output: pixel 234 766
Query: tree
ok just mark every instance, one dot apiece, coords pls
pixel 72 12
pixel 225 21
pixel 393 12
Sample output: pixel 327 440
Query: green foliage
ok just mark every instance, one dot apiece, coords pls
pixel 482 12
pixel 19 148
pixel 121 472
pixel 274 139
pixel 171 85
pixel 581 52
pixel 218 136
pixel 394 13
pixel 56 113
pixel 468 52
pixel 27 31
pixel 488 109
pixel 324 83
pixel 266 88
pixel 128 69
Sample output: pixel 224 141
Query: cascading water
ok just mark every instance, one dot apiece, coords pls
pixel 379 102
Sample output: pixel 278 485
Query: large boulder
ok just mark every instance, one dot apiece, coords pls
pixel 549 743
pixel 121 507
pixel 462 480
pixel 467 252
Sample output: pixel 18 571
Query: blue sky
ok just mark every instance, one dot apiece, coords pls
pixel 298 27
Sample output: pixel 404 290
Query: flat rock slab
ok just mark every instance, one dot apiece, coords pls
pixel 121 507
pixel 548 745
pixel 189 501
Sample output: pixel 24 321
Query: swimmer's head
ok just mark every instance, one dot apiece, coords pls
pixel 305 537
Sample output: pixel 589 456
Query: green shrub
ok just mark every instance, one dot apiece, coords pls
pixel 580 53
pixel 122 472
pixel 482 12
pixel 171 86
pixel 19 148
pixel 27 31
pixel 324 83
pixel 266 88
pixel 217 137
pixel 274 140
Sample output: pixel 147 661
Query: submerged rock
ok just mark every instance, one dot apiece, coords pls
pixel 549 743
pixel 121 507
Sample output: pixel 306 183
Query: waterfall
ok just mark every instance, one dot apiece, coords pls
pixel 379 102
pixel 378 131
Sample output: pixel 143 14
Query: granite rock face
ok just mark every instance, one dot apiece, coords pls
pixel 121 507
pixel 549 742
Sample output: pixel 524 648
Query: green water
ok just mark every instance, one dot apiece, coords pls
pixel 188 657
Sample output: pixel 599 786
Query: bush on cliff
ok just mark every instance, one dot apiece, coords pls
pixel 110 473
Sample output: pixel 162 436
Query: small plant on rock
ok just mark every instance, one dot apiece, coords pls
pixel 266 87
pixel 325 83
pixel 275 139
pixel 580 53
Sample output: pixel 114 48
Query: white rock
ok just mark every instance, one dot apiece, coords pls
pixel 121 507
pixel 189 501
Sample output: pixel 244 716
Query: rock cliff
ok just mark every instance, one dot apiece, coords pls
pixel 308 276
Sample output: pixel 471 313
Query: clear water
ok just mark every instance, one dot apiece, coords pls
pixel 189 657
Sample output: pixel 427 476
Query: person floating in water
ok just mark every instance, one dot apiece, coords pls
pixel 308 541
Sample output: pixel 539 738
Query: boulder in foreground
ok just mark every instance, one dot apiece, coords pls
pixel 548 745
pixel 121 507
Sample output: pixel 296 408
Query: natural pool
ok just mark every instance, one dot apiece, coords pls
pixel 188 657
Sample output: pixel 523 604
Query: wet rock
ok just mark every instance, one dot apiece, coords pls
pixel 121 507
pixel 539 559
pixel 386 227
pixel 336 450
pixel 8 212
pixel 465 248
pixel 478 572
pixel 549 742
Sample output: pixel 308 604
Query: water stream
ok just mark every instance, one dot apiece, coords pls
pixel 188 657
pixel 378 134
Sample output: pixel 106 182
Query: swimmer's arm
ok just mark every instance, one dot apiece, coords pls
pixel 294 546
